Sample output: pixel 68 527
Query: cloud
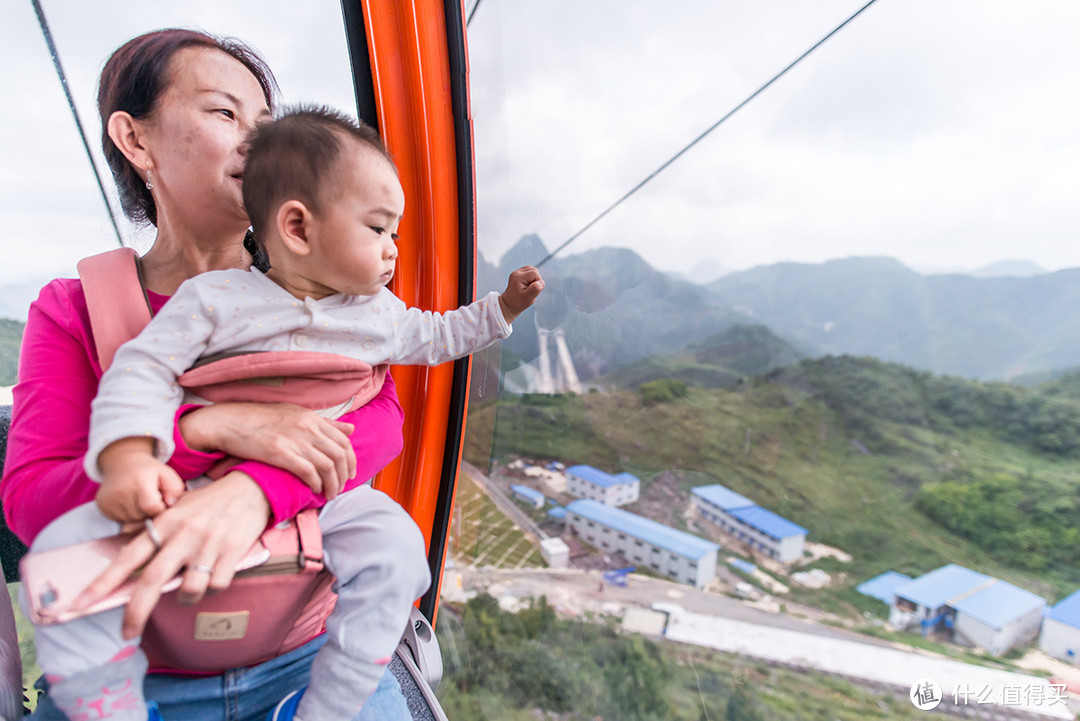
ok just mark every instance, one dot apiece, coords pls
pixel 919 131
pixel 940 132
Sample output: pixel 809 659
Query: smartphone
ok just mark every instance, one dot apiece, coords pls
pixel 53 579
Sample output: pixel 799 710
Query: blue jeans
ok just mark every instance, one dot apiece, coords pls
pixel 247 694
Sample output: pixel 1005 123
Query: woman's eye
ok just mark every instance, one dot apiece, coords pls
pixel 226 112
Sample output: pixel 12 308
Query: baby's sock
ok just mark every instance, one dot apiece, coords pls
pixel 113 691
pixel 339 685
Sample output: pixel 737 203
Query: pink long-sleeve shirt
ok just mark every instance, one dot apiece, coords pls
pixel 58 379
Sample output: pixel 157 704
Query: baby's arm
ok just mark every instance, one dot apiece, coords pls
pixel 428 338
pixel 134 484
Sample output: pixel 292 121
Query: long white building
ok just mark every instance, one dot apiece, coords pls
pixel 588 482
pixel 758 527
pixel 666 551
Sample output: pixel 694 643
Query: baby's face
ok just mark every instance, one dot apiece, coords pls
pixel 354 238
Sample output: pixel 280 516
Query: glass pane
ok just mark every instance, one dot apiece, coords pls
pixel 836 337
pixel 51 206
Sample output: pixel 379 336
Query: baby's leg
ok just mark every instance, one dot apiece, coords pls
pixel 93 672
pixel 377 554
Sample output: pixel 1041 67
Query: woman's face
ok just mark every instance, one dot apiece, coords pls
pixel 195 141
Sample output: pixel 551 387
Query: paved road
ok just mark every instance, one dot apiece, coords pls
pixel 729 625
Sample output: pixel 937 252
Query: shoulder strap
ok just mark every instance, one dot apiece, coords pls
pixel 118 305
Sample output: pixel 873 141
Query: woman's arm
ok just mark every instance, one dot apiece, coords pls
pixel 43 475
pixel 376 440
pixel 58 378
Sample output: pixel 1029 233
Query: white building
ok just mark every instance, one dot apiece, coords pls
pixel 555 552
pixel 760 528
pixel 666 551
pixel 529 496
pixel 979 610
pixel 1061 629
pixel 589 482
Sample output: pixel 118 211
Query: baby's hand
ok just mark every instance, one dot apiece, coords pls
pixel 135 485
pixel 521 290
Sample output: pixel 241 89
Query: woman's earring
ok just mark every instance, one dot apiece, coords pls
pixel 149 182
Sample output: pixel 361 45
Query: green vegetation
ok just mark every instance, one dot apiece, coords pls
pixel 902 469
pixel 1024 522
pixel 27 652
pixel 662 391
pixel 535 665
pixel 484 536
pixel 10 337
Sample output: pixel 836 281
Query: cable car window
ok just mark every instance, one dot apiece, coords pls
pixel 830 307
pixel 810 275
pixel 52 204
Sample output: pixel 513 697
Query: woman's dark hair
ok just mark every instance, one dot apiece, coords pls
pixel 133 80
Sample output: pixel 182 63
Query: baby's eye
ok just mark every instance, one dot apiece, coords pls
pixel 379 230
pixel 395 237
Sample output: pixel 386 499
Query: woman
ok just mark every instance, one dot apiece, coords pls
pixel 176 106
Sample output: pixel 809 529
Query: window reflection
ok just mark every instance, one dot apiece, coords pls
pixel 835 338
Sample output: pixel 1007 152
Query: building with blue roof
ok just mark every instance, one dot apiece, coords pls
pixel 998 617
pixel 529 496
pixel 758 527
pixel 978 610
pixel 1060 635
pixel 669 552
pixel 883 587
pixel 588 482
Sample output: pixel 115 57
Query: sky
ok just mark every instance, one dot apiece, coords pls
pixel 943 133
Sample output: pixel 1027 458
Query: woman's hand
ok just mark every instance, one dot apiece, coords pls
pixel 208 531
pixel 314 449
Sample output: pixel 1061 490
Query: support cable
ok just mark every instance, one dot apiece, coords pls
pixel 700 137
pixel 75 113
pixel 472 12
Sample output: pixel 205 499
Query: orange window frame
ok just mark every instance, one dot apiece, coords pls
pixel 419 85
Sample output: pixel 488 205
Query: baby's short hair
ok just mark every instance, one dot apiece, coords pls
pixel 297 157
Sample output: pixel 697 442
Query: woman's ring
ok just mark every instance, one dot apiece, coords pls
pixel 155 537
pixel 202 567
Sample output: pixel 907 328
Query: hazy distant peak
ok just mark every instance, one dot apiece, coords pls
pixel 1009 269
pixel 529 250
pixel 706 271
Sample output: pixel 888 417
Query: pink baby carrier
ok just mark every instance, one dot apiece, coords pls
pixel 282 604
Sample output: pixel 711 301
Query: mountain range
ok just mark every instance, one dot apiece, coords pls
pixel 617 310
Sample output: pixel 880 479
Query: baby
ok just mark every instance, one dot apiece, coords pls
pixel 325 202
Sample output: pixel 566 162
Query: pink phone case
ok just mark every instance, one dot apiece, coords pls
pixel 53 579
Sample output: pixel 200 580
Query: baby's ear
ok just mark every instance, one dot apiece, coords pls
pixel 293 219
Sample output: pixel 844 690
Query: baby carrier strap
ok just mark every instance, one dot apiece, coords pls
pixel 311 379
pixel 118 305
